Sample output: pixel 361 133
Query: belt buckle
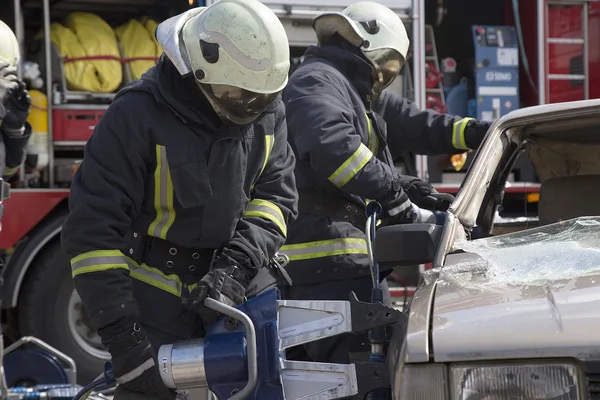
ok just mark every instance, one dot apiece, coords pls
pixel 4 190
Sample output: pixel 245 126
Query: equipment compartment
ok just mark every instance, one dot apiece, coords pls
pixel 73 124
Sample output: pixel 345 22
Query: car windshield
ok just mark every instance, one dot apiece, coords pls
pixel 554 252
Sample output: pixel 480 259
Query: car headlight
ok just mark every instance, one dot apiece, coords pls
pixel 534 381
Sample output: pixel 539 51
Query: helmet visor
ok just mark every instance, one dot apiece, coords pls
pixel 389 62
pixel 238 105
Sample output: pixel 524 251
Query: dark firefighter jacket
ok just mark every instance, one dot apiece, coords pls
pixel 341 152
pixel 13 151
pixel 161 164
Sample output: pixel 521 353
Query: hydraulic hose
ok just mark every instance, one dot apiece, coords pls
pixel 372 210
pixel 105 379
pixel 377 335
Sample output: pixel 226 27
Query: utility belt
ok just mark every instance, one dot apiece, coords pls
pixel 190 264
pixel 169 257
pixel 332 207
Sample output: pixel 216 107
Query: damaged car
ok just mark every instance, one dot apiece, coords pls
pixel 512 316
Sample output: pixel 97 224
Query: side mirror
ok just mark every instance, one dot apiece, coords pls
pixel 406 245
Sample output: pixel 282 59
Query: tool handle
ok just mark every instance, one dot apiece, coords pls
pixel 250 343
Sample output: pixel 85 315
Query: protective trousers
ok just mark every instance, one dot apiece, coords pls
pixel 163 316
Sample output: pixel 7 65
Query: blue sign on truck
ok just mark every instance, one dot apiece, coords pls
pixel 496 71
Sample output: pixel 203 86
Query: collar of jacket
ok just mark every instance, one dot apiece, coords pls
pixel 182 95
pixel 171 89
pixel 356 69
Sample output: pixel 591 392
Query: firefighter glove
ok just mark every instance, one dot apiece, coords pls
pixel 475 133
pixel 397 207
pixel 134 361
pixel 9 82
pixel 17 107
pixel 225 282
pixel 424 195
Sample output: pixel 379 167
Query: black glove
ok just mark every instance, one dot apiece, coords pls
pixel 225 282
pixel 17 106
pixel 424 195
pixel 9 82
pixel 134 359
pixel 475 132
pixel 269 276
pixel 397 207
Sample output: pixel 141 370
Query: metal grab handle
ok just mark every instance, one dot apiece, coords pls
pixel 72 376
pixel 251 344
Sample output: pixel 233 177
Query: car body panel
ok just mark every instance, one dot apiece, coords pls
pixel 417 335
pixel 530 294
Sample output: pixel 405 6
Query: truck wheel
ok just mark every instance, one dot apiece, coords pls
pixel 50 309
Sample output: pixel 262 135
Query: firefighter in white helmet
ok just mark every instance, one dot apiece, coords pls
pixel 186 188
pixel 14 129
pixel 14 106
pixel 345 131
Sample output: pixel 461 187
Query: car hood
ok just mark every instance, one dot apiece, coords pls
pixel 529 294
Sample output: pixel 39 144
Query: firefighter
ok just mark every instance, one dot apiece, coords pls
pixel 15 131
pixel 186 188
pixel 345 132
pixel 15 103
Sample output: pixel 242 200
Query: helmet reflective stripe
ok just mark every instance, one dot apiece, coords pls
pixel 9 46
pixel 366 24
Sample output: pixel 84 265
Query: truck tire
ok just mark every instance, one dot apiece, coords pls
pixel 49 309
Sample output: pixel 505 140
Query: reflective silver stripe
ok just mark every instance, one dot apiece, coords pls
pixel 117 261
pixel 96 261
pixel 163 196
pixel 324 248
pixel 398 209
pixel 153 277
pixel 351 166
pixel 136 372
pixel 458 134
pixel 266 209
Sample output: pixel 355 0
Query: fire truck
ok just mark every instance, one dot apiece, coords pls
pixel 38 297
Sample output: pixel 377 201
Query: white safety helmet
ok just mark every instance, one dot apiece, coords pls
pixel 375 29
pixel 238 52
pixel 9 46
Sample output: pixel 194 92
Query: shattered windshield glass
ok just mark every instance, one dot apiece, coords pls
pixel 553 252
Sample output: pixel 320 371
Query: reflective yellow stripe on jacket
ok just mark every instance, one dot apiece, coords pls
pixel 351 166
pixel 155 277
pixel 269 142
pixel 458 134
pixel 104 260
pixel 263 208
pixel 8 172
pixel 373 139
pixel 267 210
pixel 324 248
pixel 163 196
pixel 98 260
